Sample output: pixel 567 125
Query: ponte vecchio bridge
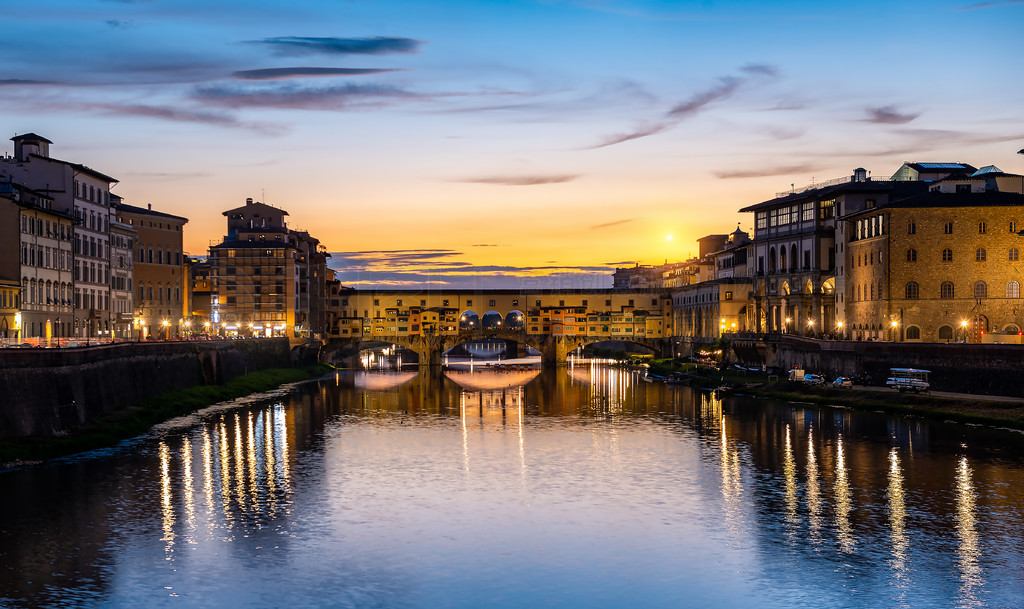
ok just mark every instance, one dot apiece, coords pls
pixel 555 322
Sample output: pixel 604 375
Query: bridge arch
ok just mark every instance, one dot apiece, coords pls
pixel 491 320
pixel 515 320
pixel 469 320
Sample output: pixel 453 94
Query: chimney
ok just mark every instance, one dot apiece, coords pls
pixel 248 201
pixel 150 206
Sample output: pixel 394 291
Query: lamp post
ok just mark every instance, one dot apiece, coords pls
pixel 810 327
pixel 839 330
pixel 786 329
pixel 166 324
pixel 895 325
pixel 963 329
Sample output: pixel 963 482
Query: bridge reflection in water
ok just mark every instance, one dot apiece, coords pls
pixel 499 483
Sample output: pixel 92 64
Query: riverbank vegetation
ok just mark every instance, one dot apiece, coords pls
pixel 114 427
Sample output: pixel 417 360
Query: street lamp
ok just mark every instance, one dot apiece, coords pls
pixel 810 327
pixel 963 329
pixel 839 329
pixel 894 325
pixel 166 324
pixel 786 329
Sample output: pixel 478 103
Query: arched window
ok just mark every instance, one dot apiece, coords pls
pixel 946 289
pixel 913 290
pixel 945 333
pixel 782 259
pixel 913 333
pixel 771 260
pixel 947 228
pixel 947 255
pixel 1014 254
pixel 981 228
pixel 858 292
pixel 872 293
pixel 1013 289
pixel 980 289
pixel 979 255
pixel 911 255
pixel 879 290
pixel 911 227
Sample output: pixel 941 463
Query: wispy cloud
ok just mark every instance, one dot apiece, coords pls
pixel 725 88
pixel 303 45
pixel 300 97
pixel 765 172
pixel 286 73
pixel 11 82
pixel 523 180
pixel 441 267
pixel 611 224
pixel 997 4
pixel 176 114
pixel 889 115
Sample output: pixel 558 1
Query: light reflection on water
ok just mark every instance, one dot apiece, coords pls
pixel 582 486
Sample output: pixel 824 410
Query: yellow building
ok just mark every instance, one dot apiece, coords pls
pixel 10 310
pixel 159 270
pixel 938 267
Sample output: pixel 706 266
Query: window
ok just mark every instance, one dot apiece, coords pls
pixel 1014 254
pixel 491 303
pixel 913 291
pixel 1013 226
pixel 981 228
pixel 945 333
pixel 913 333
pixel 1013 290
pixel 947 228
pixel 947 255
pixel 980 289
pixel 946 289
pixel 979 255
pixel 911 255
pixel 728 295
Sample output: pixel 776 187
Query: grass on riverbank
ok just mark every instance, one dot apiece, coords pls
pixel 129 422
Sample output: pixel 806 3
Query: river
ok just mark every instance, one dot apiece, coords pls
pixel 581 487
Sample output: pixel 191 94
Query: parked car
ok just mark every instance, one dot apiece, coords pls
pixel 843 381
pixel 814 379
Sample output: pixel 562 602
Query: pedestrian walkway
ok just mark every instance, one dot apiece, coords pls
pixel 950 394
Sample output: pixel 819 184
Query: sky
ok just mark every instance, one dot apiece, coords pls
pixel 506 143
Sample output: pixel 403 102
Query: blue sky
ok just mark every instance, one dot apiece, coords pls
pixel 497 142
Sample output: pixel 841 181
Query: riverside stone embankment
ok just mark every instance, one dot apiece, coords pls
pixel 50 392
pixel 983 369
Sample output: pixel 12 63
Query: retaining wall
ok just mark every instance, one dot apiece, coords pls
pixel 967 368
pixel 48 392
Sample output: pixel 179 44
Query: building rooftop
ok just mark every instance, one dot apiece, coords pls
pixel 146 211
pixel 30 136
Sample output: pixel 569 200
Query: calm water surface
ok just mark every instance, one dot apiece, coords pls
pixel 581 487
